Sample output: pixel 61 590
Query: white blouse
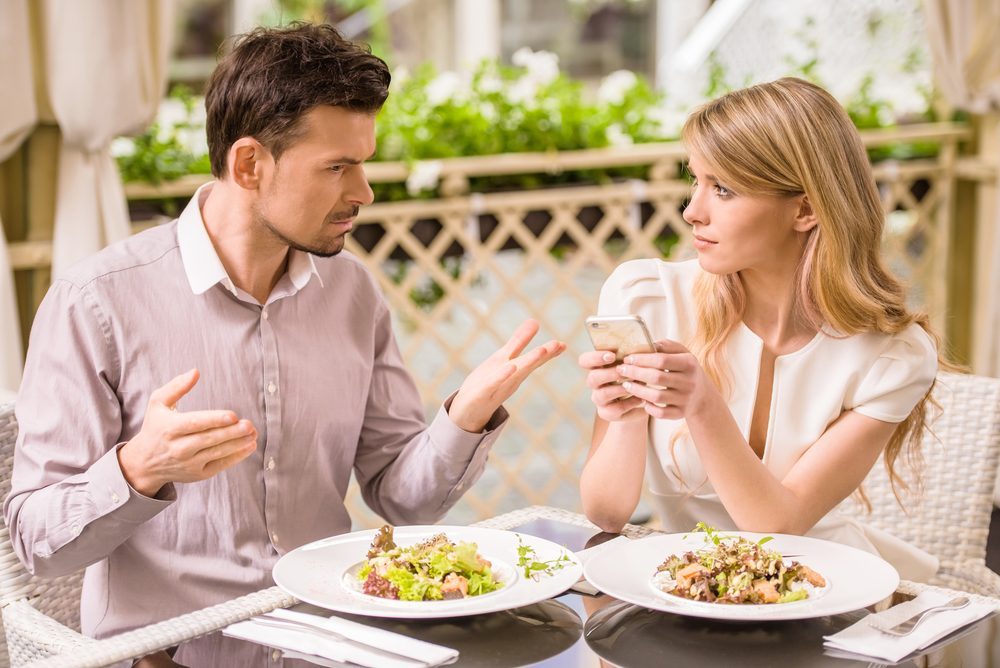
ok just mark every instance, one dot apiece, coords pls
pixel 874 374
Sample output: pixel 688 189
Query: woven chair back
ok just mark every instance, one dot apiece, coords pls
pixel 58 598
pixel 961 451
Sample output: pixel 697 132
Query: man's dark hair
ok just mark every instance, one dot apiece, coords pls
pixel 273 76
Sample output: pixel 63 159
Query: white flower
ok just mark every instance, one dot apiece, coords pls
pixel 668 121
pixel 444 87
pixel 488 111
pixel 400 75
pixel 523 92
pixel 615 86
pixel 423 176
pixel 490 83
pixel 617 136
pixel 122 146
pixel 542 66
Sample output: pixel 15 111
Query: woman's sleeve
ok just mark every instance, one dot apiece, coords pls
pixel 899 378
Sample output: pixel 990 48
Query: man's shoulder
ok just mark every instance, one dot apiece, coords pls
pixel 122 257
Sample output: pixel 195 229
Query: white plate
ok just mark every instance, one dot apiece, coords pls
pixel 315 573
pixel 854 578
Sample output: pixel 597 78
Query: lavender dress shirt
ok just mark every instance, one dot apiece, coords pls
pixel 316 369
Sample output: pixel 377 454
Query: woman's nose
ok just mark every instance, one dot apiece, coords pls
pixel 692 210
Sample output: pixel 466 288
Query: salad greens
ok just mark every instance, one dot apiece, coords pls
pixel 434 569
pixel 733 569
pixel 527 559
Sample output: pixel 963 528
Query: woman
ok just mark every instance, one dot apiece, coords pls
pixel 786 360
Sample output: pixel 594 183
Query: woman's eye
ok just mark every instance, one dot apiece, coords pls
pixel 722 191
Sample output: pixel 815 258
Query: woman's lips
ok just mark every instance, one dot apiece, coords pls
pixel 701 243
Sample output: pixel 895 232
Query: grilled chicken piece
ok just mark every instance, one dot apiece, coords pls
pixel 455 586
pixel 766 591
pixel 812 577
pixel 687 575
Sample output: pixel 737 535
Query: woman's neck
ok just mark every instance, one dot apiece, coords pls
pixel 773 311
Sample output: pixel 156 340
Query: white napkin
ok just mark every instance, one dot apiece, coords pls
pixel 861 638
pixel 586 555
pixel 363 651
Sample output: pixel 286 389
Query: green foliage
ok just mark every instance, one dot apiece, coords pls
pixel 159 154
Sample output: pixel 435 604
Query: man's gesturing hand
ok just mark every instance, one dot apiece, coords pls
pixel 183 447
pixel 492 382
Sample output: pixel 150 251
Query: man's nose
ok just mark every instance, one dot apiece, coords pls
pixel 358 191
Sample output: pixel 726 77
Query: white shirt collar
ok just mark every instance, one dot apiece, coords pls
pixel 202 264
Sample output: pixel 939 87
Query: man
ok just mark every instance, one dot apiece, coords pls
pixel 181 494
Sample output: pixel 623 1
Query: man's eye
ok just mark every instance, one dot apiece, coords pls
pixel 337 168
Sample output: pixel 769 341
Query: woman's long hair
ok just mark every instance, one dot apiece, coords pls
pixel 786 138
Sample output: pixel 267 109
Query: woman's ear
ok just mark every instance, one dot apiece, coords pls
pixel 246 158
pixel 805 217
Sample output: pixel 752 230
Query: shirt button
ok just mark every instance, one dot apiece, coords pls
pixel 276 655
pixel 114 498
pixel 263 314
pixel 274 538
pixel 76 528
pixel 270 464
pixel 272 388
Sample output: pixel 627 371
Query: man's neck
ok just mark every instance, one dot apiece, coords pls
pixel 253 263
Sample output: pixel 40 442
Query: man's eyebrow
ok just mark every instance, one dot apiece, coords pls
pixel 344 160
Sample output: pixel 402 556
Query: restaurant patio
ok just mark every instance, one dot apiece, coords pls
pixel 526 150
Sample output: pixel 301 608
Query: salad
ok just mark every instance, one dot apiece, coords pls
pixel 434 569
pixel 733 569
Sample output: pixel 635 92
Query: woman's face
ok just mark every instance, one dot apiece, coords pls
pixel 735 232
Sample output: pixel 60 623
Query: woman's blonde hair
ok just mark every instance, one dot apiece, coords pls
pixel 786 138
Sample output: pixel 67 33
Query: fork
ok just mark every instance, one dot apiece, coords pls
pixel 906 626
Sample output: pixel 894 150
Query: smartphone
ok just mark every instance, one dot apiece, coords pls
pixel 621 334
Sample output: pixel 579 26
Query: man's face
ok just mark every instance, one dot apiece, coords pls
pixel 309 198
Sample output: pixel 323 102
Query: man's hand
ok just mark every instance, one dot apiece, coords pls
pixel 183 447
pixel 492 382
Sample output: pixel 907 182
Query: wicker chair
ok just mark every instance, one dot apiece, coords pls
pixel 41 616
pixel 951 519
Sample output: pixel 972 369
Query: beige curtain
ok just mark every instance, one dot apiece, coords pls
pixel 964 36
pixel 106 67
pixel 18 115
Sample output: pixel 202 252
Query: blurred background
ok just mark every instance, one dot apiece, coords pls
pixel 527 148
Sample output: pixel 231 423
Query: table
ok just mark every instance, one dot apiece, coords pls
pixel 576 631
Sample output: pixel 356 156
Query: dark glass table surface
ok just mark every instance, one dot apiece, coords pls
pixel 578 631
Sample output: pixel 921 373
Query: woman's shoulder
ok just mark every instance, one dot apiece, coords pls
pixel 649 273
pixel 659 291
pixel 900 369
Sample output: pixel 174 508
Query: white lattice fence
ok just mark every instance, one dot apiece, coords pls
pixel 567 241
pixel 461 272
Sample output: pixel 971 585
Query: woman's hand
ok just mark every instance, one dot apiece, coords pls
pixel 669 383
pixel 613 402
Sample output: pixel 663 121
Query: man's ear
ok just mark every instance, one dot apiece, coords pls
pixel 805 217
pixel 247 157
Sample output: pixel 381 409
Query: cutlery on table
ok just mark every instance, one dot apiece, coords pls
pixel 906 626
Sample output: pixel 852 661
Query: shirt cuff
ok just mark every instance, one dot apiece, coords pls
pixel 456 444
pixel 111 492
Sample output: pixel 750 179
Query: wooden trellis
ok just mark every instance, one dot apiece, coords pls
pixel 462 271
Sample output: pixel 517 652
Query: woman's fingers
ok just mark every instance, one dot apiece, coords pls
pixel 594 359
pixel 600 377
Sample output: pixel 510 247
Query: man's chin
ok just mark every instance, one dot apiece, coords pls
pixel 321 251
